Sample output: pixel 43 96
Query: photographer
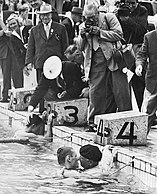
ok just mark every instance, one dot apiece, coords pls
pixel 133 19
pixel 108 87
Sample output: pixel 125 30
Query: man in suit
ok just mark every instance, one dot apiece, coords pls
pixel 145 54
pixel 134 25
pixel 108 86
pixel 70 23
pixel 47 39
pixel 5 52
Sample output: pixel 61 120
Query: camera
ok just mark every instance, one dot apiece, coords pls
pixel 88 23
pixel 124 10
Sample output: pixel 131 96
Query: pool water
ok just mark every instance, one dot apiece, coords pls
pixel 32 169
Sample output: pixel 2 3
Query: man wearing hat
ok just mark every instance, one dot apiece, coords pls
pixel 71 23
pixel 61 80
pixel 95 162
pixel 90 156
pixel 48 38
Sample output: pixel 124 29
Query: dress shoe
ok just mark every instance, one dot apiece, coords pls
pixel 4 101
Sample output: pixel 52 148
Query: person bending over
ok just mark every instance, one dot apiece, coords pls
pixel 60 80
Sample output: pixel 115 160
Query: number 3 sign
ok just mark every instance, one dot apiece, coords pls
pixel 69 113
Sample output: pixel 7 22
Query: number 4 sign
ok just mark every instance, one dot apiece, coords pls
pixel 123 128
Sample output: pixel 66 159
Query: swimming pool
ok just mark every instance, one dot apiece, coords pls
pixel 31 169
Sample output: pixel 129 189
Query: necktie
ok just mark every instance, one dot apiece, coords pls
pixel 47 30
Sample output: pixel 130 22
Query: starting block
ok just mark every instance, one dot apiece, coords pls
pixel 20 98
pixel 70 112
pixel 122 128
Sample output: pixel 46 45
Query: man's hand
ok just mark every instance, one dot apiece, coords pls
pixel 61 95
pixel 8 33
pixel 30 67
pixel 94 30
pixel 1 32
pixel 30 114
pixel 138 70
pixel 84 93
pixel 27 69
pixel 83 32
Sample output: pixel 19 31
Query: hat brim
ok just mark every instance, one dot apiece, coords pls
pixel 44 12
pixel 52 67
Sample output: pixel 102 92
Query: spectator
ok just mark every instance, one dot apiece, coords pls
pixel 148 53
pixel 35 4
pixel 47 39
pixel 71 23
pixel 108 86
pixel 6 52
pixel 5 5
pixel 108 6
pixel 74 3
pixel 67 6
pixel 13 4
pixel 96 2
pixel 23 15
pixel 134 25
pixel 65 88
pixel 19 50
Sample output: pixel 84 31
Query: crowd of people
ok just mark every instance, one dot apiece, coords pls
pixel 72 55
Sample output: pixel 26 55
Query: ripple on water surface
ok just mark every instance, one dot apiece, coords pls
pixel 31 169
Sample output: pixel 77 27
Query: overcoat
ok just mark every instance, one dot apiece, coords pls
pixel 148 50
pixel 5 44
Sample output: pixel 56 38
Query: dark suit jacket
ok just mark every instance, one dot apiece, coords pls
pixel 70 29
pixel 25 33
pixel 136 26
pixel 18 49
pixel 148 50
pixel 40 48
pixel 5 44
pixel 73 84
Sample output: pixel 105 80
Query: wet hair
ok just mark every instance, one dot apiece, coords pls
pixel 36 125
pixel 62 153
